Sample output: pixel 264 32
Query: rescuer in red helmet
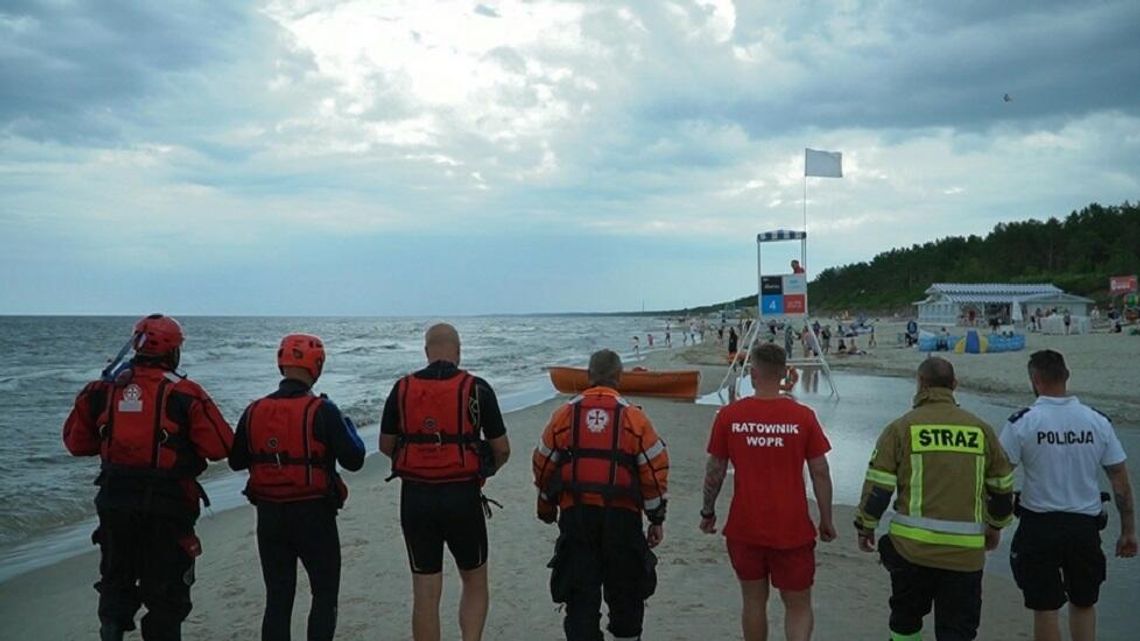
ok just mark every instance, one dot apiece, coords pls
pixel 291 442
pixel 444 431
pixel 154 430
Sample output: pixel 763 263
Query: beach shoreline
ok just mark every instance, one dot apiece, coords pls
pixel 697 595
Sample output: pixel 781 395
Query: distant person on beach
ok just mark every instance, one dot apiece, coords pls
pixel 649 340
pixel 733 340
pixel 911 332
pixel 942 344
pixel 636 346
pixel 598 466
pixel 825 334
pixel 935 546
pixel 768 438
pixel 796 267
pixel 789 340
pixel 1068 320
pixel 444 431
pixel 1063 444
pixel 291 442
pixel 154 430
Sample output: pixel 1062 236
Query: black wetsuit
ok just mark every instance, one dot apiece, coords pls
pixel 436 514
pixel 301 530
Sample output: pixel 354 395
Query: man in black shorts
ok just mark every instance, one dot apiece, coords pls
pixel 445 434
pixel 1062 445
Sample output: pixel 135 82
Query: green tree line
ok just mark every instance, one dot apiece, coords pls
pixel 1077 254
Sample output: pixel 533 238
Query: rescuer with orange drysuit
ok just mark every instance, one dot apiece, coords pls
pixel 154 430
pixel 602 464
pixel 444 431
pixel 291 442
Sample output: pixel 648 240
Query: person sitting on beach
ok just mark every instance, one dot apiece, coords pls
pixel 936 545
pixel 770 542
pixel 442 463
pixel 598 466
pixel 154 430
pixel 943 342
pixel 291 442
pixel 1056 553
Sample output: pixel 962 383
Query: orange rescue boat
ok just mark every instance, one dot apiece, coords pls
pixel 681 384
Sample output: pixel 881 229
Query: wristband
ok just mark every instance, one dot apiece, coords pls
pixel 708 515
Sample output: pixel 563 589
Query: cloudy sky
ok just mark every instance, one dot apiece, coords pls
pixel 410 157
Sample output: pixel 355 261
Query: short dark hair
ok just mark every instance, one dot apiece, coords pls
pixel 1049 365
pixel 605 368
pixel 768 359
pixel 936 372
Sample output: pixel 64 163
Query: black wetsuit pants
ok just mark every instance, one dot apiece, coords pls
pixel 956 597
pixel 602 554
pixel 145 560
pixel 286 533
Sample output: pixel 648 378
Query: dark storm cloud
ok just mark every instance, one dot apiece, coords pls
pixel 909 66
pixel 74 72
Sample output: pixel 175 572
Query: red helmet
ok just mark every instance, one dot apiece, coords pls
pixel 302 350
pixel 157 335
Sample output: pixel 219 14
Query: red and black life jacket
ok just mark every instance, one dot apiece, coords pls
pixel 141 436
pixel 593 469
pixel 286 462
pixel 439 439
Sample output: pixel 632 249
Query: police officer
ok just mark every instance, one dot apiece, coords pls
pixel 1062 445
pixel 154 430
pixel 291 442
pixel 601 462
pixel 444 431
pixel 954 487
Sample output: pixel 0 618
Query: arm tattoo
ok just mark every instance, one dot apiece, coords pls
pixel 715 472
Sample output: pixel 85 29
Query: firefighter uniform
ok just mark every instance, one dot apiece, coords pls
pixel 952 479
pixel 602 464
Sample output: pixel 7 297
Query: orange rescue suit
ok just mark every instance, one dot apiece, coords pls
pixel 599 449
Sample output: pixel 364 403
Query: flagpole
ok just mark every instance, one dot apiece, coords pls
pixel 803 255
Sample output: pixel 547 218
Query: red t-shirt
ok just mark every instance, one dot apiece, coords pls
pixel 768 442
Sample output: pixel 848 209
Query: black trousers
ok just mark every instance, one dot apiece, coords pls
pixel 955 596
pixel 602 554
pixel 145 560
pixel 286 533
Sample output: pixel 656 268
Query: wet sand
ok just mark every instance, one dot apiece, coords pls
pixel 697 595
pixel 1105 368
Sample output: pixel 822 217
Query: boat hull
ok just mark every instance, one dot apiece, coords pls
pixel 683 384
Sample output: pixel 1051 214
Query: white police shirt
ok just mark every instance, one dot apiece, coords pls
pixel 1061 445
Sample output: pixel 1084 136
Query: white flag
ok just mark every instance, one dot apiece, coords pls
pixel 824 164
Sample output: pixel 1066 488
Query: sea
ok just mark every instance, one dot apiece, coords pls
pixel 45 361
pixel 46 494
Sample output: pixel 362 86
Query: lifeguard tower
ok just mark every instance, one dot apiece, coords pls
pixel 782 298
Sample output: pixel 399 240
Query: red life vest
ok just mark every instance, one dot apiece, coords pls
pixel 138 436
pixel 594 463
pixel 286 462
pixel 439 442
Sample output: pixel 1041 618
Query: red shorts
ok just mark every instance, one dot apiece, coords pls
pixel 792 569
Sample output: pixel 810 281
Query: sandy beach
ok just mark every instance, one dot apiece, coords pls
pixel 1104 367
pixel 697 595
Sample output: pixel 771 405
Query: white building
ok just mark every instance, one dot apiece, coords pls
pixel 976 303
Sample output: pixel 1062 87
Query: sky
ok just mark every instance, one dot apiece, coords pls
pixel 311 157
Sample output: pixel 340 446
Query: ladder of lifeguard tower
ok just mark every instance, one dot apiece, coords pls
pixel 740 360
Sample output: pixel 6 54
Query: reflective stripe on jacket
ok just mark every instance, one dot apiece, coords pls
pixel 944 466
pixel 599 449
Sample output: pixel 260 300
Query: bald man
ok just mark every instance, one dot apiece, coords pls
pixel 445 435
